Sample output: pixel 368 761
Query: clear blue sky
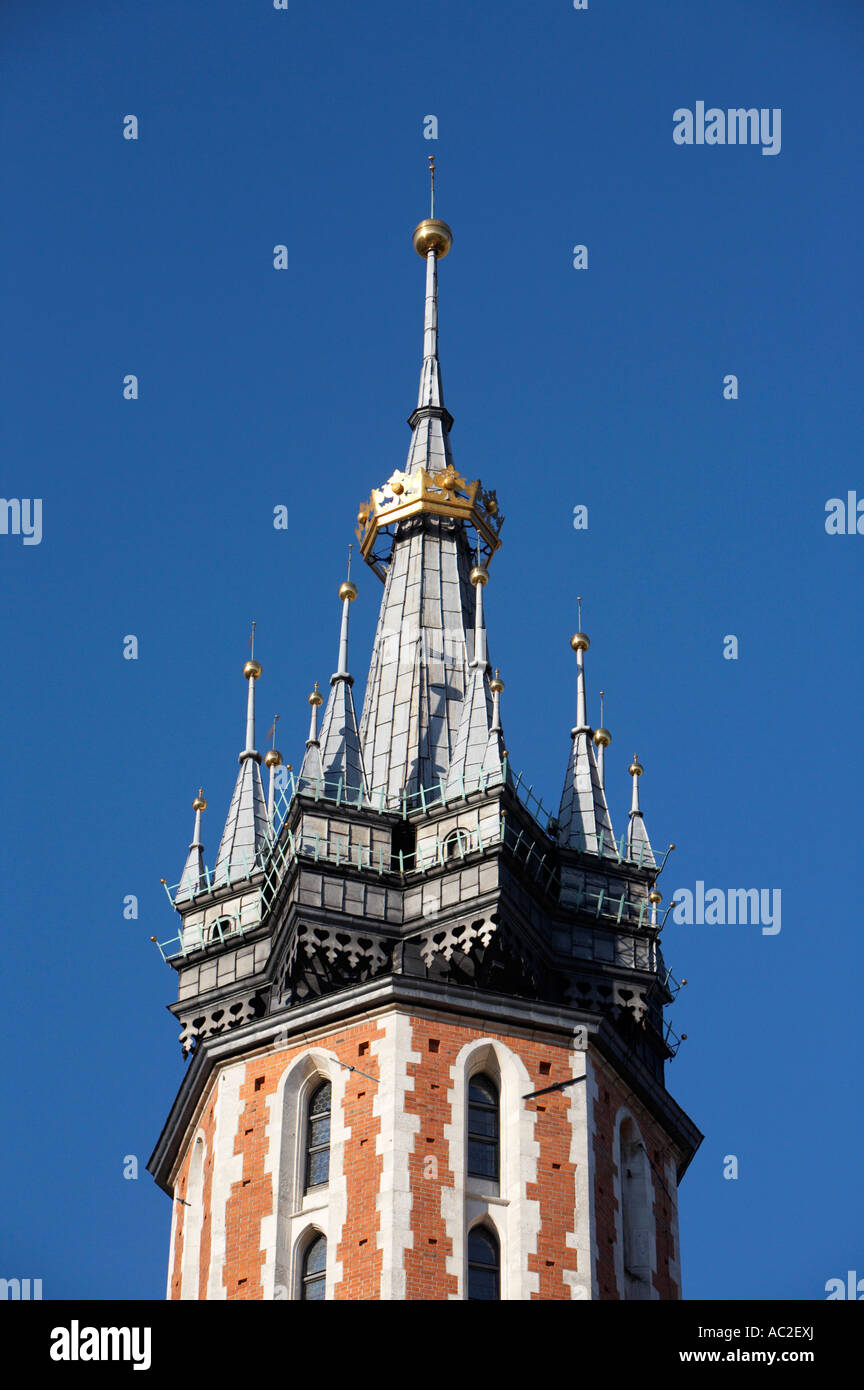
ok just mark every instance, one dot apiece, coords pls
pixel 601 387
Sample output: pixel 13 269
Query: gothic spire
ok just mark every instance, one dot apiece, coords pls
pixel 339 741
pixel 246 826
pixel 475 740
pixel 192 880
pixel 495 747
pixel 638 844
pixel 583 819
pixel 311 774
pixel 431 421
pixel 420 671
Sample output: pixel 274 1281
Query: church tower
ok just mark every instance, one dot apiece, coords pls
pixel 424 1018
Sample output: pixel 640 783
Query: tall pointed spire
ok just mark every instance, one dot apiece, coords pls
pixel 246 826
pixel 431 421
pixel 311 773
pixel 339 741
pixel 421 674
pixel 193 879
pixel 474 735
pixel 583 819
pixel 495 751
pixel 638 844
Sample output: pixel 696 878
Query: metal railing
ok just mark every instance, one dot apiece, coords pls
pixel 267 867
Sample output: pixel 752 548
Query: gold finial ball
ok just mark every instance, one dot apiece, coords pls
pixel 602 738
pixel 273 758
pixel 492 507
pixel 635 769
pixel 432 235
pixel 496 685
pixel 363 515
pixel 579 642
pixel 655 898
pixel 252 670
pixel 348 590
pixel 479 575
pixel 316 698
pixel 199 804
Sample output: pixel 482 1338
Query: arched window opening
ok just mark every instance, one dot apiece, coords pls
pixel 190 1272
pixel 637 1215
pixel 318 1137
pixel 221 927
pixel 484 1265
pixel 313 1280
pixel 483 1128
pixel 456 845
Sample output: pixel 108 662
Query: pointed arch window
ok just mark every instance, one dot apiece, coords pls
pixel 313 1280
pixel 483 1128
pixel 318 1137
pixel 484 1265
pixel 638 1254
pixel 457 844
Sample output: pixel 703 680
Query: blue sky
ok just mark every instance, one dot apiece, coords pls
pixel 601 387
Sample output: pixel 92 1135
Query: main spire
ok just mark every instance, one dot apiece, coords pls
pixel 430 422
pixel 421 532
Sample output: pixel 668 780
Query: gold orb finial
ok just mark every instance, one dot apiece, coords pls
pixel 635 769
pixel 496 685
pixel 316 698
pixel 348 589
pixel 602 738
pixel 273 758
pixel 655 898
pixel 252 670
pixel 579 642
pixel 432 235
pixel 479 575
pixel 199 804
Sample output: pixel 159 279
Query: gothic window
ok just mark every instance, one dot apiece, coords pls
pixel 484 1264
pixel 314 1275
pixel 193 1213
pixel 483 1127
pixel 637 1215
pixel 220 928
pixel 318 1137
pixel 457 844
